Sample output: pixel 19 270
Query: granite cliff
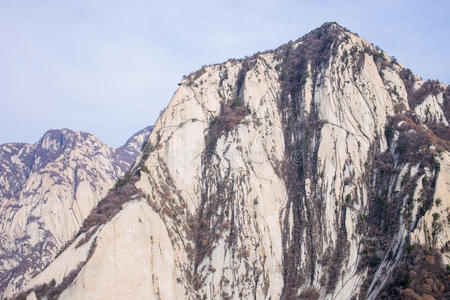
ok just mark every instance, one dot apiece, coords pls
pixel 318 170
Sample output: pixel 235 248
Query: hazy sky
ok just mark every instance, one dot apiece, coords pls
pixel 109 67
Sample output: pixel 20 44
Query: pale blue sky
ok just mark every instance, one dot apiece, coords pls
pixel 109 67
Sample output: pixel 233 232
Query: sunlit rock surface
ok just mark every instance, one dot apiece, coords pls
pixel 305 171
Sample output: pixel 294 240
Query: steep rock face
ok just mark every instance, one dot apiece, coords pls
pixel 295 172
pixel 46 191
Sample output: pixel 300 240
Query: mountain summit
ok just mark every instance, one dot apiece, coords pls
pixel 317 170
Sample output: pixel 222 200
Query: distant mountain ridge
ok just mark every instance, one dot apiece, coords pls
pixel 46 191
pixel 133 146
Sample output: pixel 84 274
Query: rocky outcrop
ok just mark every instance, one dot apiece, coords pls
pixel 305 171
pixel 46 191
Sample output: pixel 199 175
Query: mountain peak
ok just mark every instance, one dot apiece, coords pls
pixel 334 24
pixel 302 172
pixel 54 139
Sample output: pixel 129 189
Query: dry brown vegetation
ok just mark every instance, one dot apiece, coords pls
pixel 50 290
pixel 204 228
pixel 301 159
pixel 414 135
pixel 430 87
pixel 111 204
pixel 231 115
pixel 420 273
pixel 446 104
pixel 309 294
pixel 385 207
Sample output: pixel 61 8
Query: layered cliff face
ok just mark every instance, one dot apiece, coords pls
pixel 309 171
pixel 46 191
